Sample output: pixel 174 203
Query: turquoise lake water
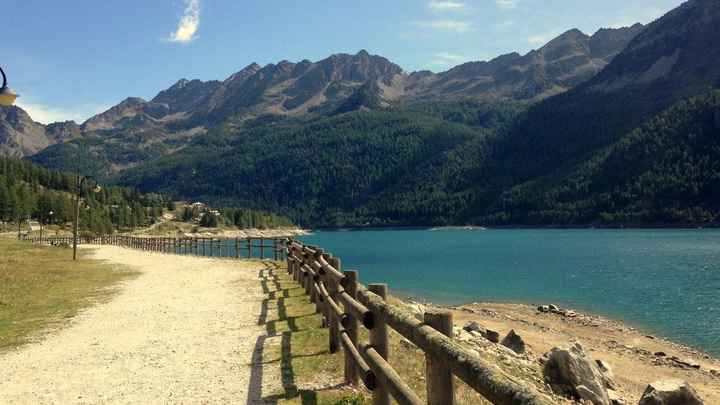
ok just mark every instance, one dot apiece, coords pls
pixel 666 282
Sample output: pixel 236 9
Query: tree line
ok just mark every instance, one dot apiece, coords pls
pixel 30 192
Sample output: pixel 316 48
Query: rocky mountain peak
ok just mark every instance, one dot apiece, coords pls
pixel 606 43
pixel 19 134
pixel 63 131
pixel 676 54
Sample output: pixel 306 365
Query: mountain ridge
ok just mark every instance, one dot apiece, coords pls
pixel 334 84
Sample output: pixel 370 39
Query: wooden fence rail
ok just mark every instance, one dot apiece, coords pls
pixel 345 304
pixel 256 248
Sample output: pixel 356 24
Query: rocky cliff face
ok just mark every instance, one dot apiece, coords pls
pixel 19 134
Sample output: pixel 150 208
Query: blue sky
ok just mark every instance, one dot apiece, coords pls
pixel 72 59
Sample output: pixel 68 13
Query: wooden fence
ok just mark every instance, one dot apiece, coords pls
pixel 346 304
pixel 256 248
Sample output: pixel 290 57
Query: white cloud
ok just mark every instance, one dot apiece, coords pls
pixel 447 25
pixel 507 4
pixel 47 114
pixel 187 27
pixel 446 5
pixel 447 59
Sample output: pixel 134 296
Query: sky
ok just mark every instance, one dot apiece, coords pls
pixel 73 59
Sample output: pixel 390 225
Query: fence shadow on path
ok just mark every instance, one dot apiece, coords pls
pixel 284 312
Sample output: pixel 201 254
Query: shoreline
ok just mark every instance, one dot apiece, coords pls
pixel 627 324
pixel 637 357
pixel 639 227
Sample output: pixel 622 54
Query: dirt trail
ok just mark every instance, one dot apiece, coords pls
pixel 183 331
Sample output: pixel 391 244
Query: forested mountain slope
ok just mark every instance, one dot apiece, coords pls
pixel 667 171
pixel 484 163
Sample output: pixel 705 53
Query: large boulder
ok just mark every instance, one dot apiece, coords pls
pixel 570 372
pixel 670 392
pixel 607 373
pixel 513 341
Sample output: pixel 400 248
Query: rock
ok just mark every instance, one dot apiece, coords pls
pixel 473 326
pixel 570 372
pixel 543 308
pixel 570 314
pixel 476 334
pixel 615 398
pixel 608 376
pixel 660 354
pixel 492 335
pixel 513 341
pixel 418 310
pixel 504 349
pixel 685 363
pixel 670 392
pixel 488 334
pixel 553 308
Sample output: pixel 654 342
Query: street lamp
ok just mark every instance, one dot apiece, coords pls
pixel 7 96
pixel 42 222
pixel 79 183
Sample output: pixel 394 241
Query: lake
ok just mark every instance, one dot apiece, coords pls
pixel 666 282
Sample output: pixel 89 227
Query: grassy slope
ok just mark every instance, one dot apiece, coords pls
pixel 42 287
pixel 310 374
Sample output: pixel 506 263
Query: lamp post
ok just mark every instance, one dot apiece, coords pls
pixel 7 96
pixel 78 190
pixel 42 222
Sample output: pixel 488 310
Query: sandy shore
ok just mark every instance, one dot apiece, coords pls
pixel 636 358
pixel 183 331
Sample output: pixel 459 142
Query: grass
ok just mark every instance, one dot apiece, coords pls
pixel 298 343
pixel 41 288
pixel 310 374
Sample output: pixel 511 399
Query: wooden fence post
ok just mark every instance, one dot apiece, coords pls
pixel 332 286
pixel 439 378
pixel 379 341
pixel 351 374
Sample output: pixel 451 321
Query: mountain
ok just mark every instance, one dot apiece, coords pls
pixel 672 59
pixel 338 84
pixel 19 134
pixel 560 65
pixel 610 129
pixel 634 144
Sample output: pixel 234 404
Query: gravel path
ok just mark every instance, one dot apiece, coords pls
pixel 184 331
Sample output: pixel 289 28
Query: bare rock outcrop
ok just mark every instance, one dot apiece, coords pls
pixel 570 372
pixel 670 392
